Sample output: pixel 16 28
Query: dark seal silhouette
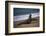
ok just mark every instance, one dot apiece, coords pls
pixel 28 21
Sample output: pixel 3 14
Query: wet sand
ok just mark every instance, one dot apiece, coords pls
pixel 34 23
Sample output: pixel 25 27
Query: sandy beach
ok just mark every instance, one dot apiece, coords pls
pixel 21 24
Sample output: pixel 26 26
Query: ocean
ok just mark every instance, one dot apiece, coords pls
pixel 26 16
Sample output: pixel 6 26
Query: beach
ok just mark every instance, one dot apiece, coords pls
pixel 21 24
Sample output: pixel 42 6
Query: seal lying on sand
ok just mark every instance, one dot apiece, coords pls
pixel 28 21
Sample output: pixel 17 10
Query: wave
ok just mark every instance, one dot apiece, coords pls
pixel 26 16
